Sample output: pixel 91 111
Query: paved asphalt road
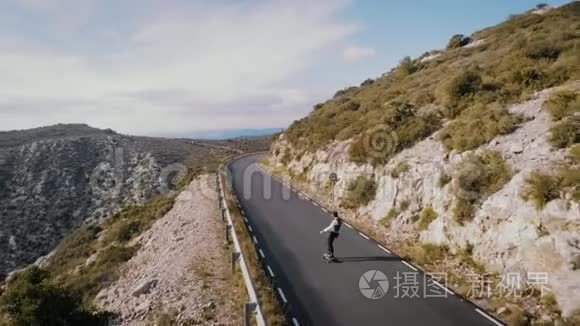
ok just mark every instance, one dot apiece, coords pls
pixel 316 293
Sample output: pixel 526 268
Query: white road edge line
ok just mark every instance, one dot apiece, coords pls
pixel 250 228
pixel 488 317
pixel 315 203
pixel 443 287
pixel 410 266
pixel 384 249
pixel 245 219
pixel 270 271
pixel 295 322
pixel 324 209
pixel 255 240
pixel 242 211
pixel 262 254
pixel 282 295
pixel 363 235
pixel 348 225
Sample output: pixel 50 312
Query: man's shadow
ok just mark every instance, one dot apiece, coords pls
pixel 370 258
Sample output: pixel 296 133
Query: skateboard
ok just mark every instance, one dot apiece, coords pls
pixel 327 259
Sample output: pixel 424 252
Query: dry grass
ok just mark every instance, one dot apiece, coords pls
pixel 68 274
pixel 522 55
pixel 399 169
pixel 565 132
pixel 478 176
pixel 426 216
pixel 563 104
pixel 360 192
pixel 541 188
pixel 478 125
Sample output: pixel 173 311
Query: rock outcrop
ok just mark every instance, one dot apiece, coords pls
pixel 54 179
pixel 507 233
pixel 182 268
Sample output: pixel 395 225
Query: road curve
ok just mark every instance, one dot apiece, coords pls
pixel 286 228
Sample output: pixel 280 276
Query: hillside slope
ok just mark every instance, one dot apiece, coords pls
pixel 54 179
pixel 463 159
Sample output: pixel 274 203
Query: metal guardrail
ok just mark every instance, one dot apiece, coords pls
pixel 253 306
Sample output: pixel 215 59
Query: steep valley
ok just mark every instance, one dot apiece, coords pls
pixel 55 179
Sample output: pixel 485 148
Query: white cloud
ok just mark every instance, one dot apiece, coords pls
pixel 177 71
pixel 354 54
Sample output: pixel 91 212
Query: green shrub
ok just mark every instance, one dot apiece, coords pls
pixel 457 41
pixel 99 274
pixel 463 210
pixel 541 188
pixel 574 153
pixel 426 216
pixel 565 133
pixel 543 50
pixel 464 84
pixel 569 172
pixel 530 77
pixel 30 299
pixel 132 221
pixel 444 179
pixel 360 192
pixel 498 71
pixel 62 293
pixel 386 222
pixel 406 67
pixel 564 107
pixel 478 176
pixel 367 82
pixel 428 254
pixel 399 169
pixel 402 127
pixel 74 249
pixel 477 126
pixel 393 212
pixel 563 104
pixel 125 230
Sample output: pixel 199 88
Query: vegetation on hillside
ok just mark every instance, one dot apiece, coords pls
pixel 427 215
pixel 360 192
pixel 478 125
pixel 542 187
pixel 569 173
pixel 478 176
pixel 511 60
pixel 564 108
pixel 85 262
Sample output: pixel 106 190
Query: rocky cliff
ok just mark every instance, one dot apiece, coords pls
pixel 453 150
pixel 57 178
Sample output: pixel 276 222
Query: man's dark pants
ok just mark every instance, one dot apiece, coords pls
pixel 331 237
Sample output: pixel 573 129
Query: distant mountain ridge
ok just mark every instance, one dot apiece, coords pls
pixel 54 179
pixel 230 133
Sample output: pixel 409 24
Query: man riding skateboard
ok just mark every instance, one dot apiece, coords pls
pixel 333 231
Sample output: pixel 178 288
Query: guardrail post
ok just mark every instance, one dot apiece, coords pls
pixel 235 257
pixel 228 228
pixel 223 214
pixel 253 305
pixel 249 309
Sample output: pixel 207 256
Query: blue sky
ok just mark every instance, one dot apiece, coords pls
pixel 157 67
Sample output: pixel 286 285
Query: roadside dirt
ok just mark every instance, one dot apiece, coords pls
pixel 181 274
